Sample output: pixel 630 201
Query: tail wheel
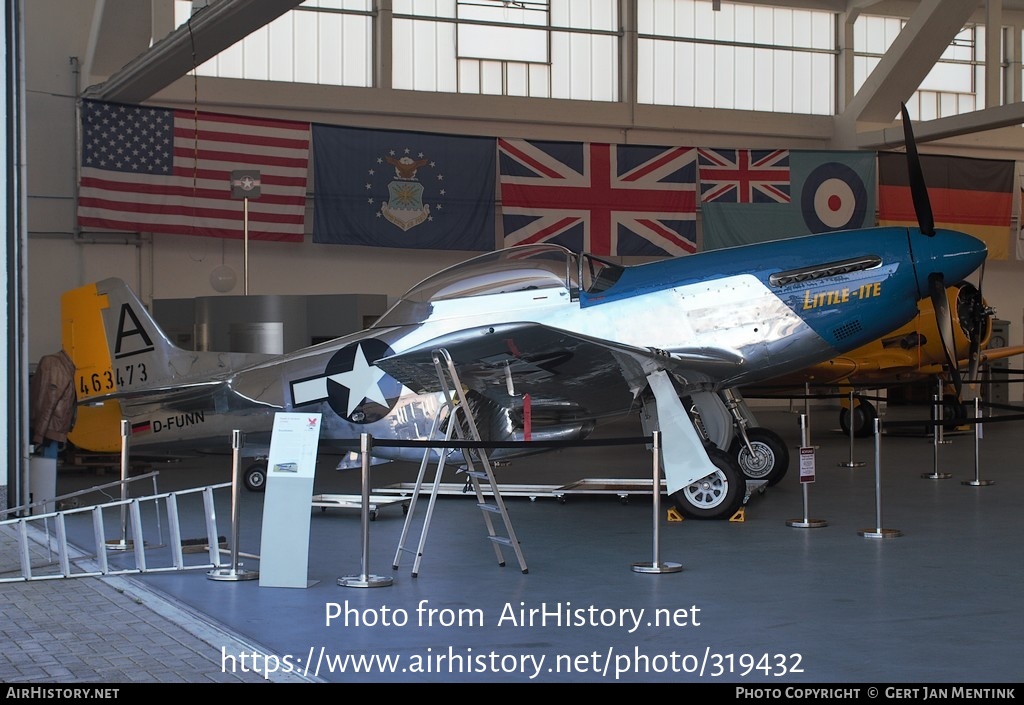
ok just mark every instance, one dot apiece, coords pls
pixel 255 477
pixel 864 416
pixel 770 459
pixel 715 496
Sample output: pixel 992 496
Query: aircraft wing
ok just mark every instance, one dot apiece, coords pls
pixel 892 364
pixel 554 366
pixel 875 363
pixel 882 365
pixel 990 354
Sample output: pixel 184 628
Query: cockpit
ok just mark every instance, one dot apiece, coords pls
pixel 522 268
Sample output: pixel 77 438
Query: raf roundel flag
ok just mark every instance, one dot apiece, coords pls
pixel 383 188
pixel 752 196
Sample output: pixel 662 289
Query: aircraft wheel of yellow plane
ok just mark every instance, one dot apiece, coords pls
pixel 255 477
pixel 770 459
pixel 864 416
pixel 715 496
pixel 954 412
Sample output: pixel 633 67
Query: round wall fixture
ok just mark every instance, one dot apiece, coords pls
pixel 223 279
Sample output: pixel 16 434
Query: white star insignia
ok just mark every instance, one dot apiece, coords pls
pixel 362 382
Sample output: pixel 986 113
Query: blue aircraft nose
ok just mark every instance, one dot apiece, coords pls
pixel 953 255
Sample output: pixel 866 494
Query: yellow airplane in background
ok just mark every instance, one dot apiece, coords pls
pixel 914 352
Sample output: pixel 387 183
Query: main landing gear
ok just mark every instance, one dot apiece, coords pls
pixel 766 457
pixel 715 496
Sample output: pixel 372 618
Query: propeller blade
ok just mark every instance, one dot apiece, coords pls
pixel 979 322
pixel 944 322
pixel 918 190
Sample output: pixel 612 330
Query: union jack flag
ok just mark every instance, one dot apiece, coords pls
pixel 744 175
pixel 606 199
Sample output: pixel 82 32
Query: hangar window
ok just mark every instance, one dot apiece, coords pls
pixel 955 84
pixel 530 48
pixel 695 53
pixel 739 56
pixel 301 46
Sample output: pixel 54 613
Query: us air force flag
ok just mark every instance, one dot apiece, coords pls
pixel 798 193
pixel 417 190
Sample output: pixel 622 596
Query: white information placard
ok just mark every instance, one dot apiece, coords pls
pixel 291 466
pixel 806 464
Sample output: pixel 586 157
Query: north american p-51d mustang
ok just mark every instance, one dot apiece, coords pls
pixel 579 337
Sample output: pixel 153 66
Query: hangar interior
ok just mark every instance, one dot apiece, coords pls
pixel 787 74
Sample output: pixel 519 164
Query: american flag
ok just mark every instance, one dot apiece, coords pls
pixel 147 169
pixel 744 175
pixel 605 199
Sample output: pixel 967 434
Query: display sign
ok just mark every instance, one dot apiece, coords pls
pixel 245 184
pixel 291 466
pixel 806 464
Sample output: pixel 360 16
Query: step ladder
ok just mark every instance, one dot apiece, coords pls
pixel 457 420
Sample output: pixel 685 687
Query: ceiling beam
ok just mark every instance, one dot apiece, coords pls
pixel 120 31
pixel 210 31
pixel 942 128
pixel 927 34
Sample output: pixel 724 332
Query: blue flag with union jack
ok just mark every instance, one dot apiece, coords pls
pixel 744 175
pixel 602 198
pixel 752 196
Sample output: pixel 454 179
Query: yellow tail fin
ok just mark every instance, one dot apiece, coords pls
pixel 109 336
pixel 84 339
pixel 98 428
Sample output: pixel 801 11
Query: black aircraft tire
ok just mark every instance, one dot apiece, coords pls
pixel 864 416
pixel 954 412
pixel 716 496
pixel 255 477
pixel 770 460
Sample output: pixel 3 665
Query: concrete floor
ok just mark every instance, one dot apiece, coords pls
pixel 757 601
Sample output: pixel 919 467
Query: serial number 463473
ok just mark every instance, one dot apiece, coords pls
pixel 110 380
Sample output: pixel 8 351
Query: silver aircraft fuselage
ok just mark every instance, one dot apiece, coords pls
pixel 576 333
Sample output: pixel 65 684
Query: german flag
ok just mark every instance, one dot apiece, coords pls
pixel 974 196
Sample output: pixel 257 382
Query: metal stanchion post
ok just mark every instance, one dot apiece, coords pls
pixel 851 463
pixel 940 429
pixel 123 544
pixel 977 481
pixel 364 579
pixel 937 415
pixel 806 522
pixel 656 566
pixel 807 406
pixel 235 572
pixel 878 532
